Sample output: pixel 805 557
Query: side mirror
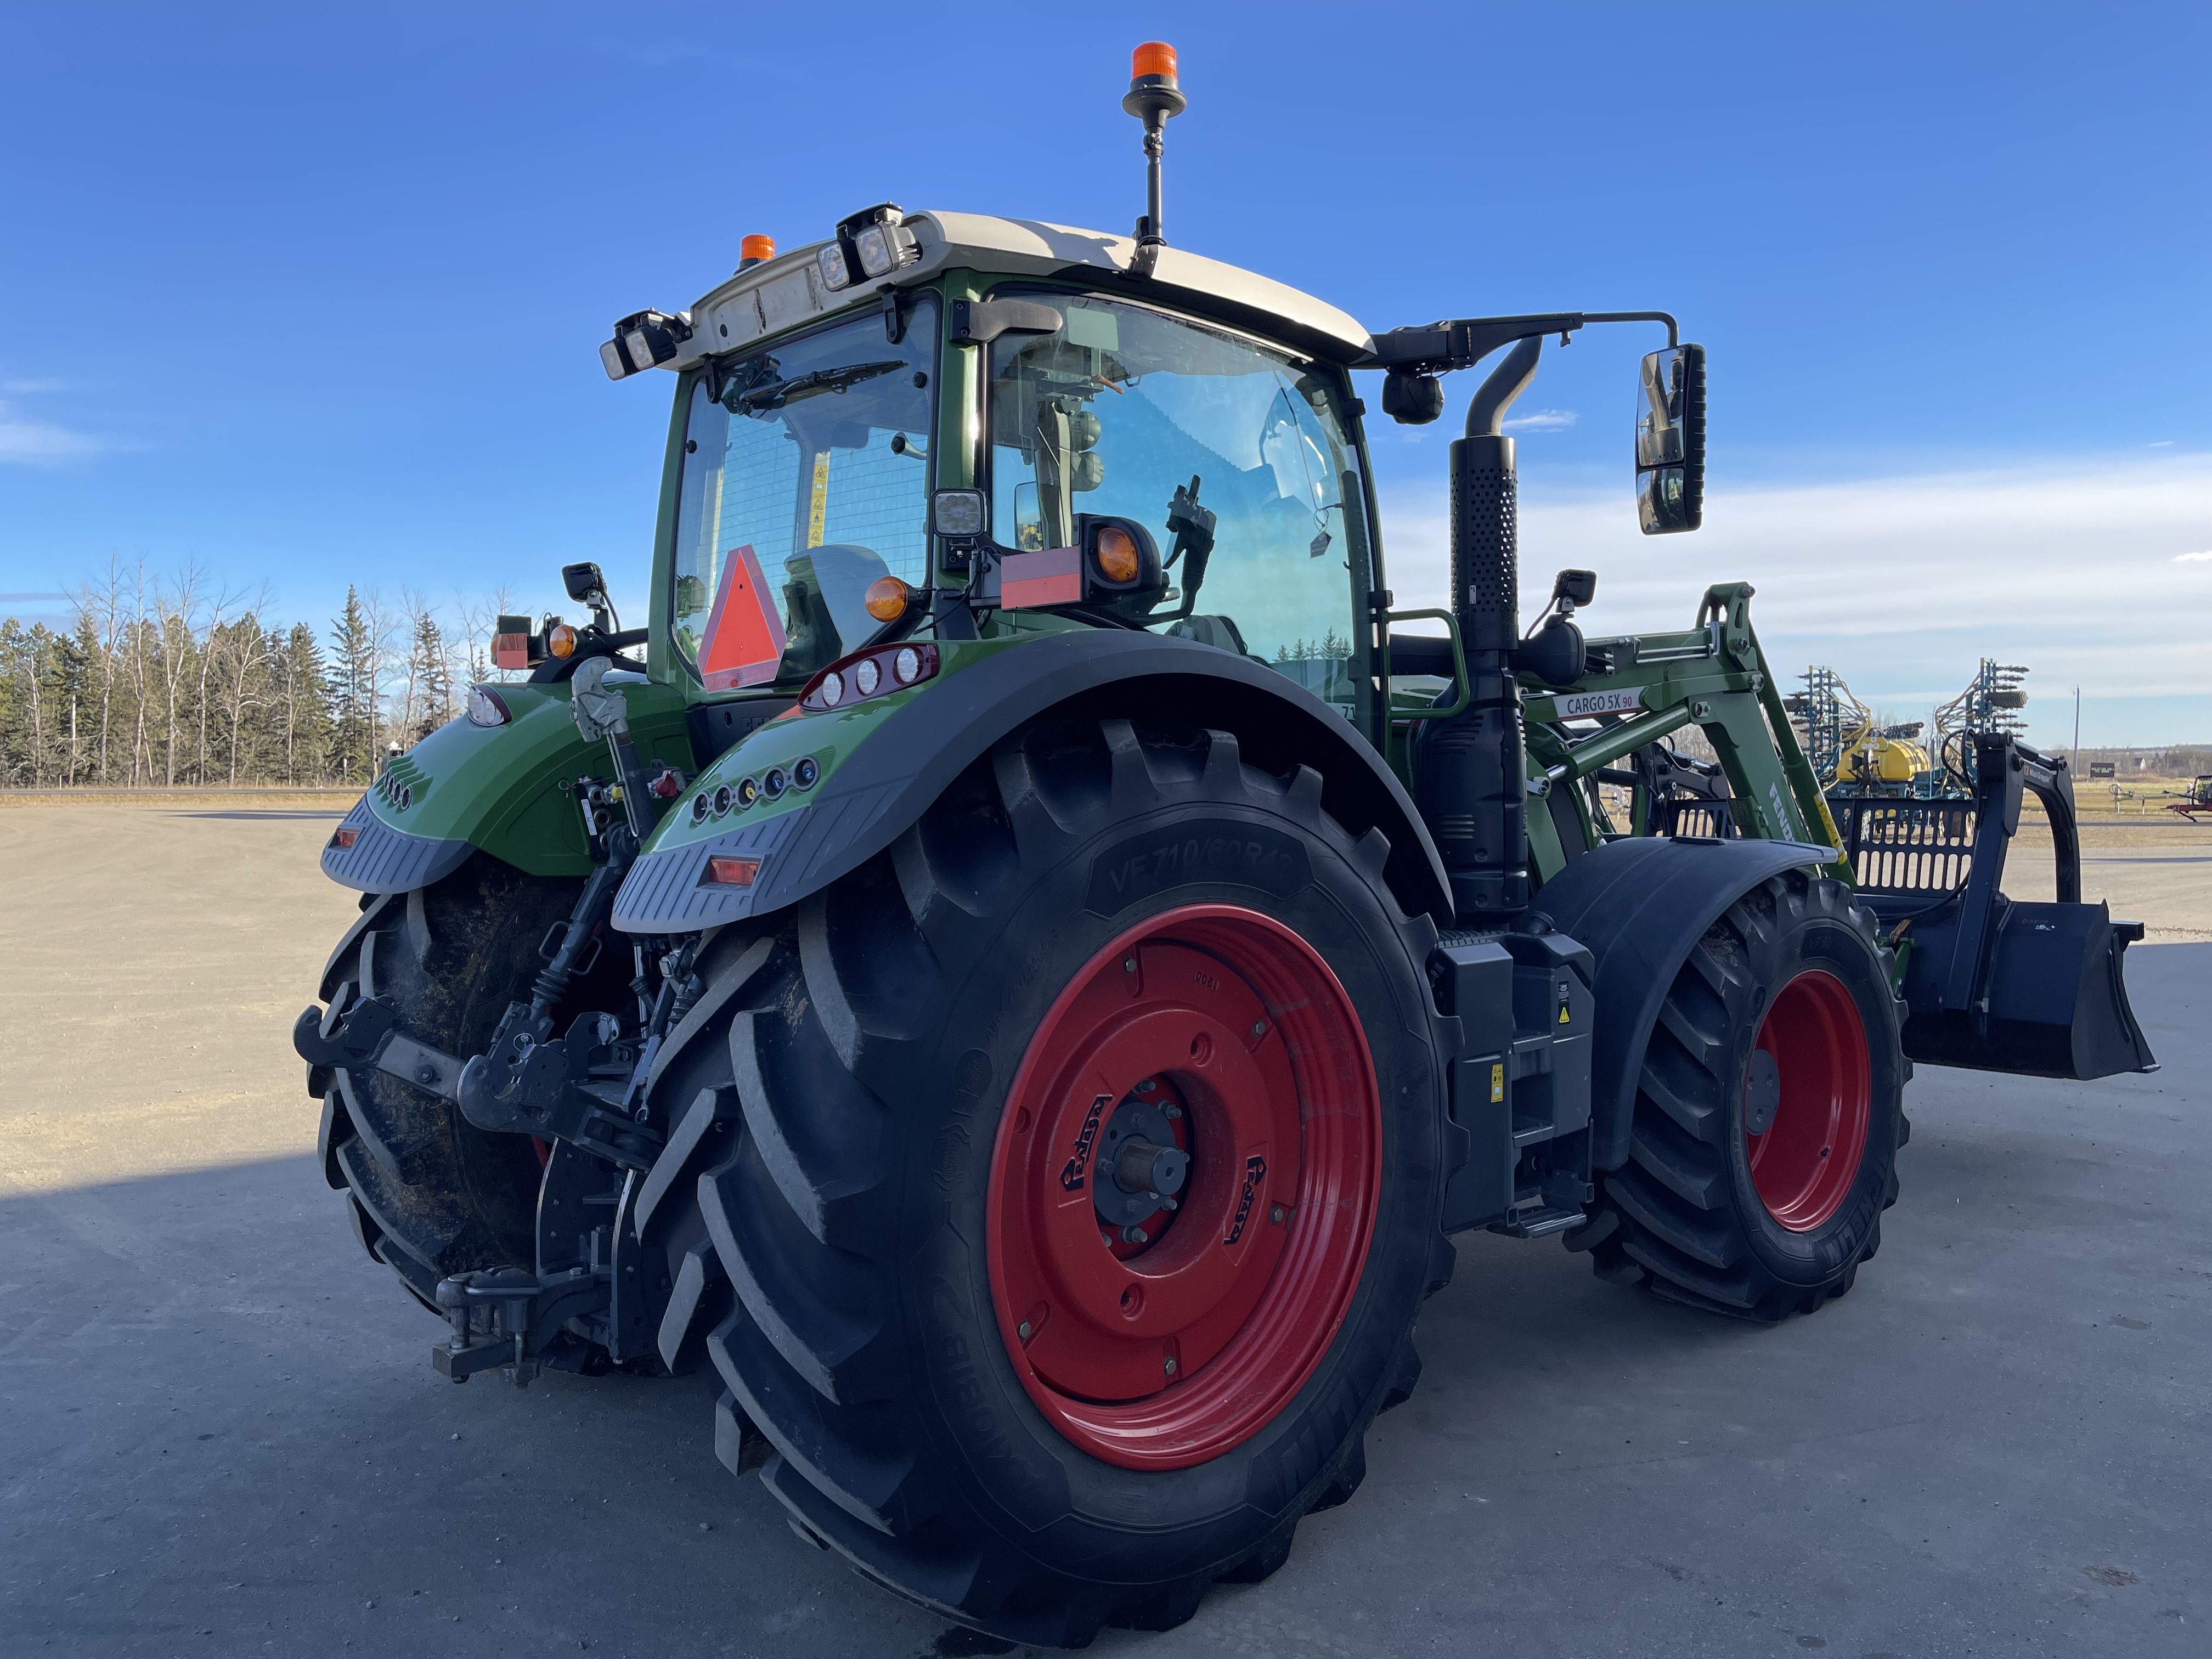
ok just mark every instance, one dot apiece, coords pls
pixel 583 581
pixel 1670 441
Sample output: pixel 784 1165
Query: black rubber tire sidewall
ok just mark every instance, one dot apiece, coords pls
pixel 1071 1510
pixel 1830 945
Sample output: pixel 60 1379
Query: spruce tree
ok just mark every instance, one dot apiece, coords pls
pixel 353 683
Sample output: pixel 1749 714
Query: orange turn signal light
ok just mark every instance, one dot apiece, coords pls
pixel 1116 552
pixel 887 599
pixel 732 872
pixel 561 640
pixel 1153 57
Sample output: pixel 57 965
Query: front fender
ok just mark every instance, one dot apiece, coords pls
pixel 884 764
pixel 466 788
pixel 1638 905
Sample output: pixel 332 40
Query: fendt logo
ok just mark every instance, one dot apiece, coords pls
pixel 1071 1173
pixel 1255 1171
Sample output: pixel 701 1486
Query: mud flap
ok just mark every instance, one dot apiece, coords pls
pixel 2053 1001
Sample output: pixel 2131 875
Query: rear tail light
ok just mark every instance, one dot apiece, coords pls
pixel 869 673
pixel 345 838
pixel 731 873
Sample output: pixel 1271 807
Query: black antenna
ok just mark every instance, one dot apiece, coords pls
pixel 1153 96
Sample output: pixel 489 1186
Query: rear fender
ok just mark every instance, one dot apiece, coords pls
pixel 884 761
pixel 1638 905
pixel 497 789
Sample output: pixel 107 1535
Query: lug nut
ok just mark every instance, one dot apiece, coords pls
pixel 1168 1365
pixel 1022 1330
pixel 1128 964
pixel 1275 1213
pixel 1259 1028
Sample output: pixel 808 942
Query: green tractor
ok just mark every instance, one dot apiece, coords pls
pixel 1028 970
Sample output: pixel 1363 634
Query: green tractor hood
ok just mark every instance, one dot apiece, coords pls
pixel 500 789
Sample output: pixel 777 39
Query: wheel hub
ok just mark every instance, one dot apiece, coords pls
pixel 1146 1157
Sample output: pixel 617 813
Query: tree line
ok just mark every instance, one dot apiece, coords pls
pixel 158 682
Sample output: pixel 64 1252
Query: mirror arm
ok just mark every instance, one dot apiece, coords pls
pixel 1673 333
pixel 1440 348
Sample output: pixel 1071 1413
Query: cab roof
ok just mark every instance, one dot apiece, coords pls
pixel 789 290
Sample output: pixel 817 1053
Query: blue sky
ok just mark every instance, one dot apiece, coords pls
pixel 312 294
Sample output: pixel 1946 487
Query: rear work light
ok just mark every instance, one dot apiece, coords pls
pixel 869 673
pixel 643 340
pixel 873 242
pixel 731 873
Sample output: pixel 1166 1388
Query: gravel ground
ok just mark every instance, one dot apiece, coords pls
pixel 224 1436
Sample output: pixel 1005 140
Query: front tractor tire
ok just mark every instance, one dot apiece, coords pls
pixel 429 1193
pixel 1069 1179
pixel 1768 1114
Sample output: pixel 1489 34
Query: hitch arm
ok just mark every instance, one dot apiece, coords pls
pixel 365 1037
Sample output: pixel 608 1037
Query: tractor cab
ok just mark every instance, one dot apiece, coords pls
pixel 1008 425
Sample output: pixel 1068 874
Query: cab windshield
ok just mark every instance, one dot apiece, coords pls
pixel 1127 411
pixel 806 478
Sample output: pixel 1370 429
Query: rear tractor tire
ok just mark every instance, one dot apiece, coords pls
pixel 430 1194
pixel 938 1123
pixel 1769 1110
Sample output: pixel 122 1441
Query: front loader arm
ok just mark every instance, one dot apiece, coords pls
pixel 1647 687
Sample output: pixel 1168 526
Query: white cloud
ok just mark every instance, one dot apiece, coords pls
pixel 39 442
pixel 2192 558
pixel 1899 584
pixel 1542 420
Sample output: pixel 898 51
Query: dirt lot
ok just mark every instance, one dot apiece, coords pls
pixel 224 1435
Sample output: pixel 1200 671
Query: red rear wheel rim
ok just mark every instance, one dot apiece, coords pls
pixel 1170 1353
pixel 1805 1164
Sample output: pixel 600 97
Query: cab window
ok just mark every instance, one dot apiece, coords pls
pixel 1127 411
pixel 806 478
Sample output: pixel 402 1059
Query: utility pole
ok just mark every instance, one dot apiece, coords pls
pixel 2077 728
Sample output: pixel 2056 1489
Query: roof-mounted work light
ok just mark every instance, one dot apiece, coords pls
pixel 643 340
pixel 873 242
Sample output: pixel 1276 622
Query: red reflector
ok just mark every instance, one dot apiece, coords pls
pixel 510 650
pixel 1051 577
pixel 732 872
pixel 345 838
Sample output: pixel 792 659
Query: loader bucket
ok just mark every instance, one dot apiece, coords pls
pixel 1994 984
pixel 2054 1001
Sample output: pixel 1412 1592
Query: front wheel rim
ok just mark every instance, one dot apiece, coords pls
pixel 1161 1346
pixel 1806 1163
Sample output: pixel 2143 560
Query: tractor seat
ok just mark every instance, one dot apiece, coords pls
pixel 1219 632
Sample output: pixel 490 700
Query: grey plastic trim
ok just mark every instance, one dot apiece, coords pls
pixel 388 860
pixel 787 290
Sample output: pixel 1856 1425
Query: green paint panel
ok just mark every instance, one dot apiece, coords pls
pixel 502 787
